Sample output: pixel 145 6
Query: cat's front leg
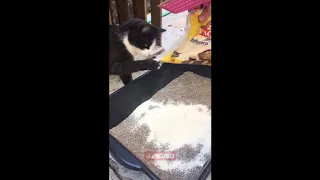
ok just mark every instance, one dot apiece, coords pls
pixel 149 54
pixel 128 67
pixel 152 63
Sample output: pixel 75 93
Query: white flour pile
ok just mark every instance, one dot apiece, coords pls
pixel 176 119
pixel 177 125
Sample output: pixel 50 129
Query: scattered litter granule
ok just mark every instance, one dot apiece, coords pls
pixel 176 119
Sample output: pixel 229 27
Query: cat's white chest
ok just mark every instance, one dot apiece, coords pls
pixel 139 54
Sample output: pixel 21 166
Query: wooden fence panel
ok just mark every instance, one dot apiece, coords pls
pixel 110 18
pixel 140 9
pixel 123 10
pixel 156 16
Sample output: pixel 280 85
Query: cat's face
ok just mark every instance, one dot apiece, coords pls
pixel 141 34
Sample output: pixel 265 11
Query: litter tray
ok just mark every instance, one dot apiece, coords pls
pixel 125 100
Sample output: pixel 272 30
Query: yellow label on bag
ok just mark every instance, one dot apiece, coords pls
pixel 197 48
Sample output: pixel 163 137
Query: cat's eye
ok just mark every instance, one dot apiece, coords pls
pixel 146 46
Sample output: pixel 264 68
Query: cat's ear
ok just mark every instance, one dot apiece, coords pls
pixel 161 30
pixel 145 28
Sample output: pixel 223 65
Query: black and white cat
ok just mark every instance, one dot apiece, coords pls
pixel 132 47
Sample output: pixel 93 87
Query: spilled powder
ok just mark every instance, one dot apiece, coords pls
pixel 189 88
pixel 176 119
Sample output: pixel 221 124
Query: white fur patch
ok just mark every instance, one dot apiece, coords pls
pixel 139 54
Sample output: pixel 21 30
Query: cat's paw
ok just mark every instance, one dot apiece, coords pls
pixel 152 57
pixel 154 65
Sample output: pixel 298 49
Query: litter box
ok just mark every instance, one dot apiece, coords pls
pixel 125 100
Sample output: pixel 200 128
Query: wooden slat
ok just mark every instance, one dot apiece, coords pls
pixel 122 8
pixel 110 18
pixel 140 9
pixel 156 15
pixel 113 11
